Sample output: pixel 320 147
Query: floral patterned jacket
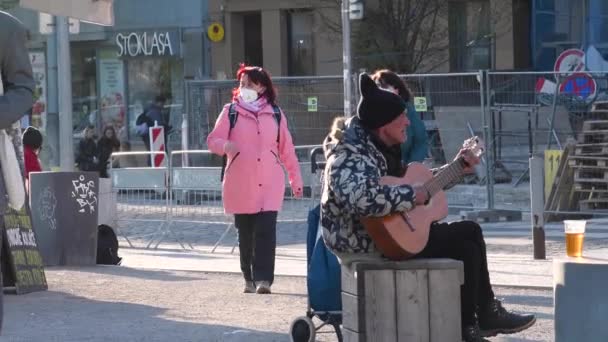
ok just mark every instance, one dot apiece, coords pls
pixel 351 189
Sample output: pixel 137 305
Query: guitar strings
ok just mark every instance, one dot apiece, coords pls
pixel 445 176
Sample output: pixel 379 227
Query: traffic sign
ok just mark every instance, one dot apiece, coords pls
pixel 569 62
pixel 579 84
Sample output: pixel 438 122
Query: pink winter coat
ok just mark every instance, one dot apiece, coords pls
pixel 254 179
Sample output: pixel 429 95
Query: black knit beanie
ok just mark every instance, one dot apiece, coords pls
pixel 377 106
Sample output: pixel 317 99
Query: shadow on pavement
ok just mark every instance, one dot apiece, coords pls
pixel 123 271
pixel 57 316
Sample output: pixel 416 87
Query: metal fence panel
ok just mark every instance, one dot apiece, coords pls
pixel 454 112
pixel 452 109
pixel 554 114
pixel 141 199
pixel 309 103
pixel 517 113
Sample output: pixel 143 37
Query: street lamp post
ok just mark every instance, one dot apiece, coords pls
pixel 346 58
pixel 64 81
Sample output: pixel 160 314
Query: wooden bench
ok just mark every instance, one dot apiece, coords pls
pixel 409 301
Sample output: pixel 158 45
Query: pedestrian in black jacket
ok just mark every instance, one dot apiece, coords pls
pixel 106 146
pixel 87 151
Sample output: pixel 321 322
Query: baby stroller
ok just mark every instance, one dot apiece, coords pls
pixel 323 279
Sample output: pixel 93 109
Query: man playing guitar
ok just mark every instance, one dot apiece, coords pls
pixel 360 153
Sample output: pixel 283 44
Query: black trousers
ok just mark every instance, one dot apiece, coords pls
pixel 463 241
pixel 257 244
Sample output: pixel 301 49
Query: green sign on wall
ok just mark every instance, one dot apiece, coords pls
pixel 8 4
pixel 312 104
pixel 420 104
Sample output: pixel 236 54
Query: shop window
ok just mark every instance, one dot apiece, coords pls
pixel 563 24
pixel 301 44
pixel 545 5
pixel 112 101
pixel 148 78
pixel 84 89
pixel 469 35
pixel 598 26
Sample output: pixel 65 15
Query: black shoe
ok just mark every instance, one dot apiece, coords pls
pixel 471 333
pixel 494 319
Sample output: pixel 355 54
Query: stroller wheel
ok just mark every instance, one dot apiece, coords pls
pixel 302 330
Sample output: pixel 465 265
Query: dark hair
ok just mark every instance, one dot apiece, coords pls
pixel 113 140
pixel 32 138
pixel 109 127
pixel 256 75
pixel 388 78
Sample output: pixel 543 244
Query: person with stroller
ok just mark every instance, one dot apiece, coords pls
pixel 107 145
pixel 87 151
pixel 252 133
pixel 359 154
pixel 416 146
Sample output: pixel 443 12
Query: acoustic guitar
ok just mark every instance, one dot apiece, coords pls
pixel 402 235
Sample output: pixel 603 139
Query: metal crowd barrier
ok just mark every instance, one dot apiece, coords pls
pixel 142 199
pixel 196 195
pixel 175 196
pixel 296 210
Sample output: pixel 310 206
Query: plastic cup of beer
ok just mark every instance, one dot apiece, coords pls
pixel 575 234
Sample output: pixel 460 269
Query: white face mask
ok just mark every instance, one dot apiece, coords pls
pixel 248 95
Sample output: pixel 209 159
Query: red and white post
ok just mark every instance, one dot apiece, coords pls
pixel 157 144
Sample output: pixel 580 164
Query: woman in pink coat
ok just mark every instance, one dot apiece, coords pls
pixel 257 147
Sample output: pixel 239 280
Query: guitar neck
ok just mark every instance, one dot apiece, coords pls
pixel 446 176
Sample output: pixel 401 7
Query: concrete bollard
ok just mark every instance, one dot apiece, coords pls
pixel 537 203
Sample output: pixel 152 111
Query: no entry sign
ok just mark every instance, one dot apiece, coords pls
pixel 569 62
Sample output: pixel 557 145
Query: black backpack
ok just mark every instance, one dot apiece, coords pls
pixel 107 246
pixel 140 121
pixel 141 118
pixel 233 115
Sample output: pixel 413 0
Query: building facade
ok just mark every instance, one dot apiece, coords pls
pixel 291 37
pixel 283 36
pixel 117 71
pixel 559 25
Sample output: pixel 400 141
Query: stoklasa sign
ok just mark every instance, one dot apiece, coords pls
pixel 136 44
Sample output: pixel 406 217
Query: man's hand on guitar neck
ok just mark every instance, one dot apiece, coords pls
pixel 470 159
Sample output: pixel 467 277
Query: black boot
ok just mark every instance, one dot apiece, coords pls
pixel 471 333
pixel 494 319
